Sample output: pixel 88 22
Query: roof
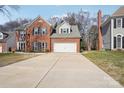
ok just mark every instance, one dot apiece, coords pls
pixel 74 34
pixel 119 12
pixel 24 26
pixel 106 22
pixel 39 17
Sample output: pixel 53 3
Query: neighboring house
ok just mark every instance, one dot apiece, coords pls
pixel 7 41
pixel 40 36
pixel 113 31
pixel 66 38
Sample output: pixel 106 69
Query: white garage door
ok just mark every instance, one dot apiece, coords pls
pixel 64 47
pixel 0 49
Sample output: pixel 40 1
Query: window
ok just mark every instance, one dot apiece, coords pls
pixel 36 46
pixel 114 23
pixel 118 24
pixel 39 30
pixel 22 36
pixel 123 42
pixel 119 41
pixel 44 45
pixel 21 45
pixel 35 31
pixel 70 30
pixel 44 31
pixel 64 30
pixel 114 42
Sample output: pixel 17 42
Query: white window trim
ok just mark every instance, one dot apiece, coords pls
pixel 62 31
pixel 19 45
pixel 44 30
pixel 35 30
pixel 116 40
pixel 117 22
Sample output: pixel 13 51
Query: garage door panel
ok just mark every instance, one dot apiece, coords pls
pixel 64 47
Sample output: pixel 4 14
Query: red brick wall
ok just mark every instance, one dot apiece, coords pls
pixel 66 40
pixel 33 38
pixel 99 30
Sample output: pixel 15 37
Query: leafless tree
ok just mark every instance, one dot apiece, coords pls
pixel 5 9
pixel 11 25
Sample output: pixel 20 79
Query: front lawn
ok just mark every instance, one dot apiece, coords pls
pixel 10 58
pixel 112 62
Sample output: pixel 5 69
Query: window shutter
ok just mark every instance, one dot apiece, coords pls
pixel 46 30
pixel 46 45
pixel 38 30
pixel 114 23
pixel 123 42
pixel 123 23
pixel 33 32
pixel 114 42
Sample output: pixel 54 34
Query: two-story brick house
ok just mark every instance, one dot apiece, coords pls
pixel 34 36
pixel 39 36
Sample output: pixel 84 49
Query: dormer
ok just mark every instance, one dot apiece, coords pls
pixel 64 28
pixel 1 35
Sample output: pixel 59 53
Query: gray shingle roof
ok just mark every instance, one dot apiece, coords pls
pixel 22 27
pixel 74 34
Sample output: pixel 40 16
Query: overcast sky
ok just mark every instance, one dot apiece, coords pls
pixel 32 11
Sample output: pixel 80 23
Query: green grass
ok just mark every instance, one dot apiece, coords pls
pixel 10 58
pixel 112 62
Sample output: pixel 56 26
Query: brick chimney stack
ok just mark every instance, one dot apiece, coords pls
pixel 99 30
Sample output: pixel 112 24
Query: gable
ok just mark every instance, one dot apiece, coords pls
pixel 73 31
pixel 1 35
pixel 40 21
pixel 63 25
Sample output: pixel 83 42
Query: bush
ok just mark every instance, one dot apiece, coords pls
pixel 47 50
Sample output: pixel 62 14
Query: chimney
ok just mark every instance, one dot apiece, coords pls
pixel 99 30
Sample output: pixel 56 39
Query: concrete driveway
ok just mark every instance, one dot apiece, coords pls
pixel 55 70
